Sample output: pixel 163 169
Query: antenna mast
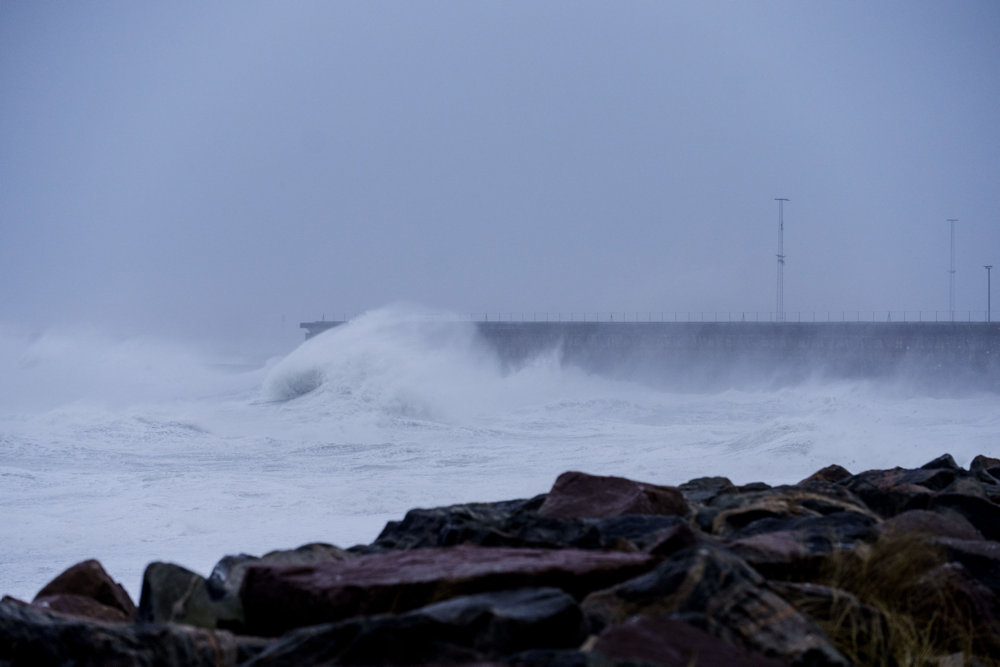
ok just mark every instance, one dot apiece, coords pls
pixel 780 310
pixel 951 272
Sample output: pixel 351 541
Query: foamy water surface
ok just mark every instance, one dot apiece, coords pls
pixel 134 451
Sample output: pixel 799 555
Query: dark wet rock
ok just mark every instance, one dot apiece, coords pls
pixel 729 514
pixel 31 636
pixel 88 579
pixel 673 539
pixel 943 462
pixel 578 495
pixel 721 594
pixel 673 643
pixel 703 489
pixel 857 624
pixel 277 598
pixel 973 505
pixel 470 628
pixel 491 525
pixel 832 473
pixel 980 558
pixel 891 492
pixel 931 524
pixel 988 465
pixel 80 606
pixel 227 575
pixel 753 486
pixel 485 524
pixel 795 548
pixel 173 594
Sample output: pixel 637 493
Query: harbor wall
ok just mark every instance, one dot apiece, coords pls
pixel 960 354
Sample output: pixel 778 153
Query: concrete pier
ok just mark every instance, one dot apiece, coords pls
pixel 965 354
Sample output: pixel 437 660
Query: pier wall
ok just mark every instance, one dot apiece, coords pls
pixel 710 353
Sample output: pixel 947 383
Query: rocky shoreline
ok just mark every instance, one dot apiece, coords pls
pixel 893 567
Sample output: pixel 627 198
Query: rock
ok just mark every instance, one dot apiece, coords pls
pixel 859 628
pixel 484 524
pixel 277 598
pixel 88 579
pixel 891 492
pixel 468 628
pixel 795 548
pixel 227 575
pixel 728 514
pixel 703 489
pixel 943 462
pixel 987 464
pixel 974 506
pixel 80 606
pixel 931 524
pixel 31 636
pixel 491 526
pixel 832 473
pixel 723 595
pixel 578 495
pixel 980 558
pixel 673 643
pixel 173 594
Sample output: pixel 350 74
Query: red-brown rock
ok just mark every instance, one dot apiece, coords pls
pixel 832 473
pixel 80 606
pixel 88 579
pixel 277 598
pixel 672 643
pixel 578 495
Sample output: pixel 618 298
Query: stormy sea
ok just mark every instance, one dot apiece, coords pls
pixel 136 450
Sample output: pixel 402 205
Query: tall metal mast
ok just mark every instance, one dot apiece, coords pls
pixel 951 272
pixel 780 310
pixel 988 268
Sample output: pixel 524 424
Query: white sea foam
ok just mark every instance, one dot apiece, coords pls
pixel 133 451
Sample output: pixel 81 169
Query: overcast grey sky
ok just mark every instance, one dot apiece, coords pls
pixel 198 169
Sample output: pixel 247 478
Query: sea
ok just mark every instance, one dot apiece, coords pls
pixel 133 450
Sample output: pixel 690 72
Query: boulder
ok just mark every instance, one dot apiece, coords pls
pixel 972 505
pixel 703 489
pixel 672 643
pixel 729 514
pixel 859 629
pixel 80 606
pixel 930 524
pixel 980 558
pixel 89 580
pixel 173 594
pixel 832 473
pixel 988 465
pixel 277 598
pixel 32 636
pixel 578 495
pixel 491 525
pixel 469 628
pixel 720 593
pixel 795 548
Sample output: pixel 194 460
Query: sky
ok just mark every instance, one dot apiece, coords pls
pixel 225 170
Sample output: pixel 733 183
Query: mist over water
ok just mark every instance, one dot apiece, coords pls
pixel 137 450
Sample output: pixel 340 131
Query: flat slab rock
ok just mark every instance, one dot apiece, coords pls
pixel 577 495
pixel 277 598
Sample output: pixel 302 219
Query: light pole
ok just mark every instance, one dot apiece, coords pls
pixel 951 272
pixel 780 312
pixel 988 267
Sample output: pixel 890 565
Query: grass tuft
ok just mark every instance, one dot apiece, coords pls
pixel 898 601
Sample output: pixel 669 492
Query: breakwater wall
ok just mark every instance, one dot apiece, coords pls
pixel 957 353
